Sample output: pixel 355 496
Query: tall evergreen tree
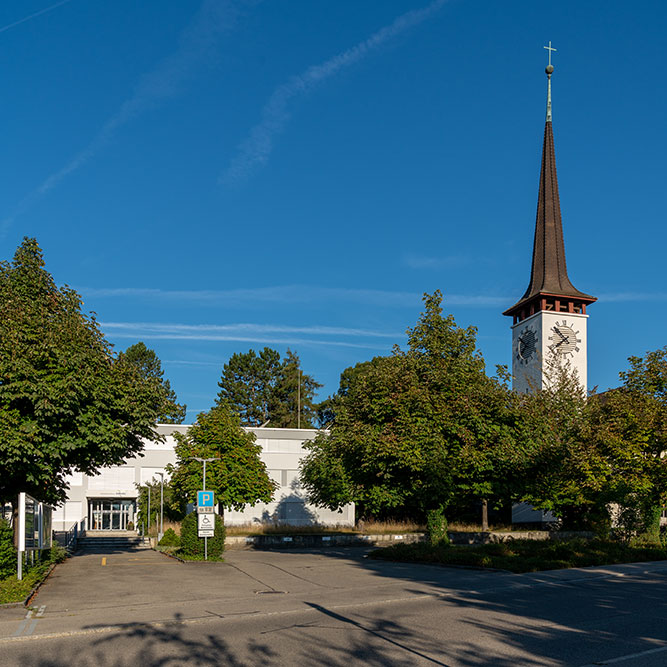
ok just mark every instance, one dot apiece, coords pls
pixel 292 404
pixel 149 368
pixel 247 384
pixel 263 388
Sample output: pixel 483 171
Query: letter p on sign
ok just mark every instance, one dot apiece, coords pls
pixel 205 498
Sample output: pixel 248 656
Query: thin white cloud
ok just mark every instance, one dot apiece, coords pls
pixel 252 296
pixel 187 362
pixel 241 329
pixel 196 44
pixel 254 152
pixel 265 340
pixel 420 262
pixel 291 294
pixel 615 297
pixel 34 15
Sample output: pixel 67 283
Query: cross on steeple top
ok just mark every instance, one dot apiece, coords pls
pixel 549 70
pixel 550 49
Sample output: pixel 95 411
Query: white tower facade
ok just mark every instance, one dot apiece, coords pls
pixel 544 336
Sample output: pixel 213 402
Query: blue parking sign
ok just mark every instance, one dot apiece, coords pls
pixel 205 498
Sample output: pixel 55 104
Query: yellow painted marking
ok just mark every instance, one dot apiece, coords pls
pixel 104 561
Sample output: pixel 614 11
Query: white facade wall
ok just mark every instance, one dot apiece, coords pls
pixel 282 451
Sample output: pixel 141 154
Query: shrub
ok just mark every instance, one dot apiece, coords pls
pixel 56 554
pixel 193 546
pixel 170 539
pixel 436 526
pixel 7 551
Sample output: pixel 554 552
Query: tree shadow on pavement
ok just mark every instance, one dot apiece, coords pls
pixel 565 617
pixel 148 645
pixel 373 642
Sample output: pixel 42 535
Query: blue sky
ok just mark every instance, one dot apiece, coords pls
pixel 222 175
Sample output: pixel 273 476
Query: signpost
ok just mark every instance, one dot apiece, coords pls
pixel 205 517
pixel 205 504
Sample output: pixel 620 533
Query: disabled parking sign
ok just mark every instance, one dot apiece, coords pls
pixel 204 498
pixel 206 525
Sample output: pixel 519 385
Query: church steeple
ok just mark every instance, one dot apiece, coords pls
pixel 550 288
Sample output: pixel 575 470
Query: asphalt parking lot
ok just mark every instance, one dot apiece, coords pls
pixel 333 607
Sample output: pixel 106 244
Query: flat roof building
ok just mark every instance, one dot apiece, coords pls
pixel 108 501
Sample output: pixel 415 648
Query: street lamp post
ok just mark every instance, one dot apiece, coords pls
pixel 161 533
pixel 205 461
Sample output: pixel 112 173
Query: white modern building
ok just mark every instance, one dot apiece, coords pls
pixel 108 501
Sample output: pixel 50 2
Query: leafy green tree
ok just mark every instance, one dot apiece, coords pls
pixel 415 431
pixel 291 404
pixel 7 550
pixel 66 403
pixel 563 468
pixel 238 478
pixel 584 457
pixel 631 431
pixel 149 367
pixel 247 384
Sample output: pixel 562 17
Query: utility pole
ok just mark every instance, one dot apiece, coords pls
pixel 298 402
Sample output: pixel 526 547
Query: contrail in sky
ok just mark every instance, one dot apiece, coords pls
pixel 243 329
pixel 196 43
pixel 254 152
pixel 35 15
pixel 258 297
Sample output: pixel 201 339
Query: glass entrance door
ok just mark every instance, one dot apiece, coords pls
pixel 110 514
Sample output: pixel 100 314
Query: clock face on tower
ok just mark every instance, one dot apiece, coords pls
pixel 526 345
pixel 564 339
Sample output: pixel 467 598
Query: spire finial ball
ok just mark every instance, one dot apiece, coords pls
pixel 549 69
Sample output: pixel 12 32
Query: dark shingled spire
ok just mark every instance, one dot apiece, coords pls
pixel 548 277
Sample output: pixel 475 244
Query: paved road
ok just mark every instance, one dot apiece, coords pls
pixel 334 607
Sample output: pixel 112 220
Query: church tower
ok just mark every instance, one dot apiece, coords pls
pixel 549 321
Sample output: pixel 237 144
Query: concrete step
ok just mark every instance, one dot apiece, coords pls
pixel 110 542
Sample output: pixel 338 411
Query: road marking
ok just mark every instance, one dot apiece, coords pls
pixel 630 656
pixel 104 561
pixel 22 627
pixel 26 630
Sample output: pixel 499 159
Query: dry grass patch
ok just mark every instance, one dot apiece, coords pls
pixel 174 525
pixel 247 529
